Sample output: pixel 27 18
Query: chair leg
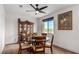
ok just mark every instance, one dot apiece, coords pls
pixel 51 50
pixel 19 51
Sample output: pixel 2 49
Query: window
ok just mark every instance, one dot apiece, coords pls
pixel 48 25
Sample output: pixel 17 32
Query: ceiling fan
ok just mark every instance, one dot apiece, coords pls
pixel 36 9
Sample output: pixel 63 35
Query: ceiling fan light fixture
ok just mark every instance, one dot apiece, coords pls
pixel 37 12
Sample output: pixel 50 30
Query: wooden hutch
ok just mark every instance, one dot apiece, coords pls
pixel 25 29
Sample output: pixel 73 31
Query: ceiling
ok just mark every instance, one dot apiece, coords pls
pixel 51 8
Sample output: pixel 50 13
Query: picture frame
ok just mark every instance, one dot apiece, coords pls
pixel 65 21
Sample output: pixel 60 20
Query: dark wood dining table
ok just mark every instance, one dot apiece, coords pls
pixel 38 38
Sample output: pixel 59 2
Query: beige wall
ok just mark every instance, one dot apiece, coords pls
pixel 68 39
pixel 2 28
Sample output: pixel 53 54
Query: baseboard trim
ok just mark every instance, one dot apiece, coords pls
pixel 11 44
pixel 65 49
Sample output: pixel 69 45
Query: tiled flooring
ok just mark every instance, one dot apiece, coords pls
pixel 13 49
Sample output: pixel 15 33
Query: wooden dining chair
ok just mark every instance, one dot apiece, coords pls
pixel 49 43
pixel 23 45
pixel 39 45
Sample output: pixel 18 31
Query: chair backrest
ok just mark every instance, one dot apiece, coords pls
pixel 34 34
pixel 50 37
pixel 44 34
pixel 40 43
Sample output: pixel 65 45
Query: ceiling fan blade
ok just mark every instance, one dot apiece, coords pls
pixel 41 11
pixel 32 6
pixel 43 7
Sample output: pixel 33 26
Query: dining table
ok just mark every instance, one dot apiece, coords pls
pixel 38 38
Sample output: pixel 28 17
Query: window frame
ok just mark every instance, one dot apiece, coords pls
pixel 47 20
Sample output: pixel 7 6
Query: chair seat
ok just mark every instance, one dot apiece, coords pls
pixel 48 45
pixel 37 49
pixel 40 49
pixel 25 45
